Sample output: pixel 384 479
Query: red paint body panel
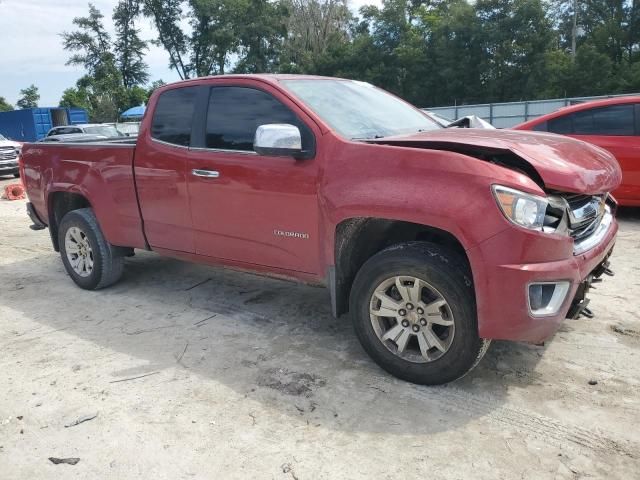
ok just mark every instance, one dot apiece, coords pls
pixel 505 264
pixel 232 220
pixel 626 149
pixel 103 175
pixel 564 164
pixel 161 178
pixel 234 216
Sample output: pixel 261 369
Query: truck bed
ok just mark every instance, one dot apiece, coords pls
pixel 101 171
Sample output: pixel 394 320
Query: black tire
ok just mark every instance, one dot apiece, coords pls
pixel 446 272
pixel 108 262
pixel 16 175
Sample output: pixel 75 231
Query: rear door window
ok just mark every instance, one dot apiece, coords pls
pixel 562 125
pixel 613 120
pixel 173 116
pixel 541 127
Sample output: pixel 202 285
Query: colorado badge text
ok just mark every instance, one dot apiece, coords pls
pixel 282 233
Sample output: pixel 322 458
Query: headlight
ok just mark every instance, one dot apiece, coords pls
pixel 18 150
pixel 521 208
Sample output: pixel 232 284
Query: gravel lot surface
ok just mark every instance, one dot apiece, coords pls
pixel 197 372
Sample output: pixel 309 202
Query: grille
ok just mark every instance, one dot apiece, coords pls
pixel 8 153
pixel 585 214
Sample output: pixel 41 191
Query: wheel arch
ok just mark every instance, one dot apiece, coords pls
pixel 59 203
pixel 359 238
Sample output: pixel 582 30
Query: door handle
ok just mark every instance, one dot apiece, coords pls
pixel 205 173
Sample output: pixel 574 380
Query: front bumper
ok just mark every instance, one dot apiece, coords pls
pixel 502 286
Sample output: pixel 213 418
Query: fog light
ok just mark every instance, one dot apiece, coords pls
pixel 546 298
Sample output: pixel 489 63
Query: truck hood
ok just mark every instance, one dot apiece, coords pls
pixel 562 163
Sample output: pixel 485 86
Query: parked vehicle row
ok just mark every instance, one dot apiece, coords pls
pixel 93 129
pixel 32 124
pixel 9 155
pixel 434 240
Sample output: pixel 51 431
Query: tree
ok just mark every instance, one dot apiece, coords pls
pixel 154 86
pixel 515 36
pixel 314 28
pixel 76 98
pixel 102 90
pixel 5 106
pixel 129 49
pixel 261 33
pixel 30 97
pixel 166 16
pixel 91 43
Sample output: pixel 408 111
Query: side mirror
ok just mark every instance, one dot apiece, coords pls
pixel 278 139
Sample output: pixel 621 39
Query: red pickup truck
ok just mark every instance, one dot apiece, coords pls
pixel 434 240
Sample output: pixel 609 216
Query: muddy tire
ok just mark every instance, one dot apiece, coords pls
pixel 90 260
pixel 413 310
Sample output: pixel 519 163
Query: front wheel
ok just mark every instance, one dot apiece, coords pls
pixel 413 310
pixel 90 260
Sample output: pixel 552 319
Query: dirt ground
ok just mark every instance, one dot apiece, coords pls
pixel 197 372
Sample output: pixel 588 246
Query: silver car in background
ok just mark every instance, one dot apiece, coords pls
pixel 94 129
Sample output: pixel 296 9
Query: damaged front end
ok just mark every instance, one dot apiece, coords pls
pixel 580 303
pixel 586 219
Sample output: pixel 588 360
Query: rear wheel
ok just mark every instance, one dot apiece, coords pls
pixel 90 260
pixel 413 310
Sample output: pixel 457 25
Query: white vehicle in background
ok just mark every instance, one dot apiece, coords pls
pixel 9 155
pixel 95 129
pixel 128 129
pixel 470 121
pixel 439 119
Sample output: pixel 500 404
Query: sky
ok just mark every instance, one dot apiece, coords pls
pixel 31 48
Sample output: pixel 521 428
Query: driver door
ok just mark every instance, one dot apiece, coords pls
pixel 248 208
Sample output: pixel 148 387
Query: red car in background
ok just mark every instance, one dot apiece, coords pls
pixel 613 124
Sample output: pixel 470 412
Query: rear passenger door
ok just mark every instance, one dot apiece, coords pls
pixel 161 171
pixel 253 209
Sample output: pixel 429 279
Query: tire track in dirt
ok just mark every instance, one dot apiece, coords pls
pixel 477 406
pixel 554 431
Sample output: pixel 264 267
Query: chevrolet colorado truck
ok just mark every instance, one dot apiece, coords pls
pixel 436 241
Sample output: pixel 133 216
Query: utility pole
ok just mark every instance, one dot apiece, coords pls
pixel 574 29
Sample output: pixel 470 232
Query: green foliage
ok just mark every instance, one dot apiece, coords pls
pixel 261 34
pixel 166 16
pixel 154 85
pixel 5 106
pixel 91 43
pixel 129 48
pixel 430 52
pixel 75 98
pixel 115 71
pixel 30 97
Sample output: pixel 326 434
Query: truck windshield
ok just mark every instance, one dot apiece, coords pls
pixel 2 138
pixel 103 130
pixel 358 110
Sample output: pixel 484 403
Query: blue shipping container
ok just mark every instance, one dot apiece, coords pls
pixel 32 124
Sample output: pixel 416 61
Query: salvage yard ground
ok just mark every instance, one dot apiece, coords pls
pixel 197 372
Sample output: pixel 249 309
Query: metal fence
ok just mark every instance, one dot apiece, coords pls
pixel 505 115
